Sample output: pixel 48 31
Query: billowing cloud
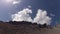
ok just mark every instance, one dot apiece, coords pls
pixel 41 17
pixel 24 15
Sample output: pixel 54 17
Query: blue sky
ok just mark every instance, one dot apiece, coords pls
pixel 51 6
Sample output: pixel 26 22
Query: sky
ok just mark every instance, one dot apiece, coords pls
pixel 9 7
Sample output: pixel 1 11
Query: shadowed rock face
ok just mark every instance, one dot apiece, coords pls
pixel 26 28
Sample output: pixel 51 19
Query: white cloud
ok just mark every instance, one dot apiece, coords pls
pixel 40 18
pixel 16 2
pixel 22 15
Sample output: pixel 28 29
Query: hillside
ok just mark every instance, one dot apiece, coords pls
pixel 26 28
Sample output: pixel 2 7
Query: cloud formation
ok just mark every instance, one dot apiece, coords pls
pixel 24 15
pixel 41 17
pixel 16 2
